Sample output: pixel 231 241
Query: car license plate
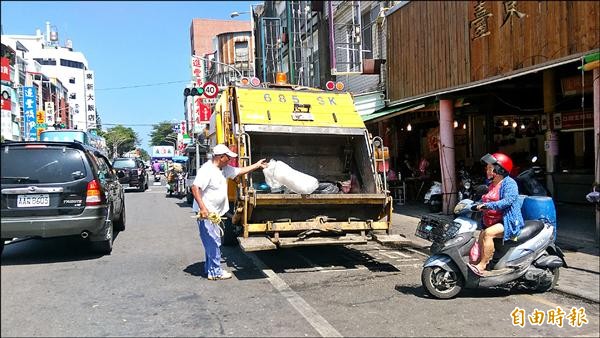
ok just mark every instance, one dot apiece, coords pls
pixel 28 201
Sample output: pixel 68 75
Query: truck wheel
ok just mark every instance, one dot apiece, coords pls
pixel 230 233
pixel 440 283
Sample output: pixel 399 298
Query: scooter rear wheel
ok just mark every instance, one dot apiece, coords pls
pixel 555 275
pixel 441 283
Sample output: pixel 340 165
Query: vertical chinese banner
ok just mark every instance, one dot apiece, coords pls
pixel 90 100
pixel 49 108
pixel 40 119
pixel 183 128
pixel 6 99
pixel 203 111
pixel 197 70
pixel 29 109
pixel 6 120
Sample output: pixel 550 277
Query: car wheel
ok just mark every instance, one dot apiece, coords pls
pixel 104 247
pixel 2 244
pixel 120 223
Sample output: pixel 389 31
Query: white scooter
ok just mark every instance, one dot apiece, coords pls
pixel 531 262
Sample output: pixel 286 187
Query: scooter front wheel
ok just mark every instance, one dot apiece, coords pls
pixel 441 283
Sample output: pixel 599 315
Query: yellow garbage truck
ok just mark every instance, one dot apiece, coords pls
pixel 315 132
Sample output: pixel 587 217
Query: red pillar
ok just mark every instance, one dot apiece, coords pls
pixel 596 77
pixel 447 160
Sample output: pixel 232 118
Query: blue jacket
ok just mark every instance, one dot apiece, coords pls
pixel 510 205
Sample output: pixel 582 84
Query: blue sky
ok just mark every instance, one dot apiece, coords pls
pixel 127 44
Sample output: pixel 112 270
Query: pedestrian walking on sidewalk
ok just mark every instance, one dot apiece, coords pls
pixel 210 199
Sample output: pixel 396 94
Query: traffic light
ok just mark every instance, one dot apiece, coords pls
pixel 193 91
pixel 197 91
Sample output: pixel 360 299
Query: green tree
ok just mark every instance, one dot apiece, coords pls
pixel 120 139
pixel 144 154
pixel 98 121
pixel 160 132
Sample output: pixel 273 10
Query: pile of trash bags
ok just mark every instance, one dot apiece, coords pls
pixel 281 178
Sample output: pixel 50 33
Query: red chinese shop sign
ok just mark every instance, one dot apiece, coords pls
pixel 5 65
pixel 202 111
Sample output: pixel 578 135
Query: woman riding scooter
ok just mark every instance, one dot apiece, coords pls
pixel 501 209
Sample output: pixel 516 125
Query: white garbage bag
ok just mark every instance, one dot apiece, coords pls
pixel 269 173
pixel 294 180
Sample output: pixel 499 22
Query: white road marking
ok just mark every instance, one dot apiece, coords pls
pixel 393 254
pixel 417 252
pixel 321 269
pixel 311 315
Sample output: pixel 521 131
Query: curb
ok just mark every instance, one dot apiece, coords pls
pixel 575 293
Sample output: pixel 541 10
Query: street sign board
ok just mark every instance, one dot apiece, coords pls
pixel 211 90
pixel 40 117
pixel 49 107
pixel 209 101
pixel 203 112
pixel 29 108
pixel 197 70
pixel 163 151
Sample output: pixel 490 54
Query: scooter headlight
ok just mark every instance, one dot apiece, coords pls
pixel 467 185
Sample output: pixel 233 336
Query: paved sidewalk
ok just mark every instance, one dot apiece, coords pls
pixel 581 278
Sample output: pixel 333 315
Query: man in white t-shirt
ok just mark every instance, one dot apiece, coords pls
pixel 210 196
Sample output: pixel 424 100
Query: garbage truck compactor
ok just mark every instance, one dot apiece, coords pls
pixel 318 133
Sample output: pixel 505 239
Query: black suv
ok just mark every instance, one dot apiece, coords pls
pixel 132 173
pixel 53 189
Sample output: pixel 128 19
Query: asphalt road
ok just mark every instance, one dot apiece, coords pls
pixel 151 285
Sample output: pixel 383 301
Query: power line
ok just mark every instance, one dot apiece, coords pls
pixel 144 85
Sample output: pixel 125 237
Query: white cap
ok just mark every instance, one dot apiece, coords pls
pixel 221 149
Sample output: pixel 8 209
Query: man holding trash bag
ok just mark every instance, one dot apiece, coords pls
pixel 210 202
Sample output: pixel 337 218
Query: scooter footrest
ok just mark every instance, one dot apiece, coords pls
pixel 498 272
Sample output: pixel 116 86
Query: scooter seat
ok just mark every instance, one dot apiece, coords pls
pixel 530 230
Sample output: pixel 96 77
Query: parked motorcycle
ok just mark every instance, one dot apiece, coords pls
pixel 465 185
pixel 529 180
pixel 180 184
pixel 433 197
pixel 531 262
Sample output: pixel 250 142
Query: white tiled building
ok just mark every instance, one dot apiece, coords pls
pixel 61 62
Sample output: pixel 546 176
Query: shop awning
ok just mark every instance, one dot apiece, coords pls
pixel 389 112
pixel 494 79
